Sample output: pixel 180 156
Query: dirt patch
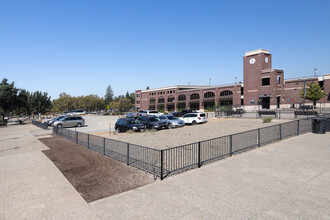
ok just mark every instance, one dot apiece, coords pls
pixel 92 174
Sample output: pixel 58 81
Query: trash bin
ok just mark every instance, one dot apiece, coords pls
pixel 319 125
pixel 327 124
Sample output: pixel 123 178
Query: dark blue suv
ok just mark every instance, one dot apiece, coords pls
pixel 125 124
pixel 153 122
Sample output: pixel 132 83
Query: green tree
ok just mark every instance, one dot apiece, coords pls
pixel 127 95
pixel 40 102
pixel 314 92
pixel 8 97
pixel 108 95
pixel 147 88
pixel 132 97
pixel 23 104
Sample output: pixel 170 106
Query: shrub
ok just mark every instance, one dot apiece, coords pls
pixel 267 119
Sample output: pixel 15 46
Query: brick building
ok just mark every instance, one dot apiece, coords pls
pixel 263 87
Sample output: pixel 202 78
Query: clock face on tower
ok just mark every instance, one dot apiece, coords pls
pixel 252 61
pixel 266 59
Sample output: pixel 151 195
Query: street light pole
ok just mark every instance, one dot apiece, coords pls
pixel 304 94
pixel 315 71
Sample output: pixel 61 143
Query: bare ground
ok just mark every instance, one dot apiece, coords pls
pixel 189 134
pixel 92 174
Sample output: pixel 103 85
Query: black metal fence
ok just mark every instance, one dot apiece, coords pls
pixel 40 124
pixel 166 162
pixel 141 157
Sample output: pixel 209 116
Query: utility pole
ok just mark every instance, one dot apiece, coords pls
pixel 235 80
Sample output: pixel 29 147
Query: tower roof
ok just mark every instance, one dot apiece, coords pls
pixel 253 52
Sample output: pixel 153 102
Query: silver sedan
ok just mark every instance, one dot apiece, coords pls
pixel 174 121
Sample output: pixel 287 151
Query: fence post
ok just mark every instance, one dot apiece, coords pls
pixel 258 137
pixel 230 145
pixel 76 137
pixel 103 146
pixel 127 160
pixel 161 164
pixel 199 154
pixel 280 127
pixel 87 140
pixel 298 122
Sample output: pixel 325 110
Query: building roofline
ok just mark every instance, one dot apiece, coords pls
pixel 254 52
pixel 176 87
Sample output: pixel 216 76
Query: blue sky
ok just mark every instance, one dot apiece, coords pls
pixel 79 47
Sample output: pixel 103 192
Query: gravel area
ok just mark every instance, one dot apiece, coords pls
pixel 189 134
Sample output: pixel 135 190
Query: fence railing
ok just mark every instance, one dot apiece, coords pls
pixel 40 124
pixel 166 162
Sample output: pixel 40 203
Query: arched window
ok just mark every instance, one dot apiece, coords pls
pixel 152 101
pixel 194 96
pixel 170 99
pixel 209 95
pixel 182 97
pixel 226 93
pixel 161 99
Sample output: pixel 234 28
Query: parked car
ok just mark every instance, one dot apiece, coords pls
pixel 125 124
pixel 132 115
pixel 177 114
pixel 195 118
pixel 78 112
pixel 149 112
pixel 174 121
pixel 152 121
pixel 70 121
pixel 51 121
pixel 143 113
pixel 183 112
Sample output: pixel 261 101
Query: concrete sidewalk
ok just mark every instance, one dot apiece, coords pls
pixel 31 187
pixel 286 180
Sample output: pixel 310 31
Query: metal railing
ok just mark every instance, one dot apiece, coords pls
pixel 166 162
pixel 40 124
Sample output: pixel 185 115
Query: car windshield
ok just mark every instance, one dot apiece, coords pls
pixel 162 117
pixel 154 119
pixel 133 122
pixel 153 112
pixel 171 117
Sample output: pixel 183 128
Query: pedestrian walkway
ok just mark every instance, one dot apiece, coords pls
pixel 31 187
pixel 286 180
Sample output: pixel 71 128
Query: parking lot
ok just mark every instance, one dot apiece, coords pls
pixel 104 126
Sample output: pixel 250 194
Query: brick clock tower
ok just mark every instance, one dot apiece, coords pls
pixel 262 84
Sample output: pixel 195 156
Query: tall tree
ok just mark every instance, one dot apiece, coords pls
pixel 8 97
pixel 108 95
pixel 314 92
pixel 40 102
pixel 127 95
pixel 147 88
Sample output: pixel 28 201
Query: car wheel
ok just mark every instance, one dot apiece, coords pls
pixel 194 122
pixel 79 125
pixel 117 130
pixel 59 125
pixel 170 126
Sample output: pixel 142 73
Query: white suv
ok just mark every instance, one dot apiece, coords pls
pixel 194 118
pixel 149 112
